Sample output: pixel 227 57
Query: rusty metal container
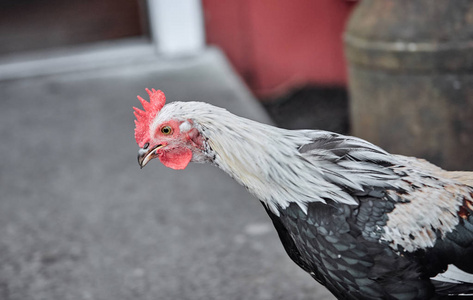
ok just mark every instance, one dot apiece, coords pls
pixel 411 78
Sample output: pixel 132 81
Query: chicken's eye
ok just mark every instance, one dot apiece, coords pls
pixel 166 130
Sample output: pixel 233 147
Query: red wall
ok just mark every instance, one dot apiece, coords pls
pixel 276 45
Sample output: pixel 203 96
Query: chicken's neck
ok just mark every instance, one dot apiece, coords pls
pixel 267 161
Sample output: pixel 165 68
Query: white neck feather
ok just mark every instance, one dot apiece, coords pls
pixel 265 159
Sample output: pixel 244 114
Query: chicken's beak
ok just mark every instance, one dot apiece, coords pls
pixel 145 155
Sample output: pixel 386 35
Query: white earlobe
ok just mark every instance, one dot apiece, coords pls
pixel 185 126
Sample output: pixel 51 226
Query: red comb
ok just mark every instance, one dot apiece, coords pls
pixel 144 117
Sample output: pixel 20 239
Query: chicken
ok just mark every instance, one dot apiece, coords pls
pixel 364 223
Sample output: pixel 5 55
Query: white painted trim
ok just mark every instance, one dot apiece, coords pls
pixel 77 58
pixel 176 26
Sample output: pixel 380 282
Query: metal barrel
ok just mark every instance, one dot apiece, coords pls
pixel 410 68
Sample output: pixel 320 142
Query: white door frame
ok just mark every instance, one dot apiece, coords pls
pixel 176 26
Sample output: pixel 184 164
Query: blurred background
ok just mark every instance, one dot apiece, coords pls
pixel 80 220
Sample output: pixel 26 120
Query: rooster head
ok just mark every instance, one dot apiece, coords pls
pixel 175 141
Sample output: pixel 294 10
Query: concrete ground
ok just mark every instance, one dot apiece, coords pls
pixel 80 220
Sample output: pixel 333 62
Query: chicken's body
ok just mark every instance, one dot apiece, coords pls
pixel 365 223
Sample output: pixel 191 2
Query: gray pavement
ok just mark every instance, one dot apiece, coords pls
pixel 80 220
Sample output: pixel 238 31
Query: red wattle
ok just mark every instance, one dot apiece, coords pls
pixel 176 159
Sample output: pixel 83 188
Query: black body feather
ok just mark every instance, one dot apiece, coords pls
pixel 340 246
